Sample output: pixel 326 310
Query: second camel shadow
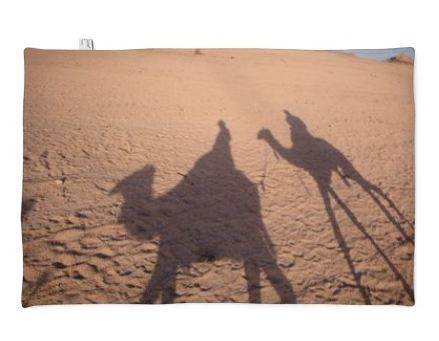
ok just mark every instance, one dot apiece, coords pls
pixel 320 159
pixel 213 213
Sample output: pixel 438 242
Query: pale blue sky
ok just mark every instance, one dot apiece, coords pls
pixel 382 54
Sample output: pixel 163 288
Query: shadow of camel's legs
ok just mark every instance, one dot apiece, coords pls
pixel 252 274
pixel 376 193
pixel 370 189
pixel 392 205
pixel 388 214
pixel 341 241
pixel 266 262
pixel 280 283
pixel 163 280
pixel 354 219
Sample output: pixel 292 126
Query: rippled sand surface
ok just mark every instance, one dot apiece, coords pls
pixel 217 176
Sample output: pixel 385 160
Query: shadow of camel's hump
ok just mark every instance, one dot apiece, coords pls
pixel 212 213
pixel 213 217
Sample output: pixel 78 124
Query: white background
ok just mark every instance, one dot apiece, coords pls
pixel 188 23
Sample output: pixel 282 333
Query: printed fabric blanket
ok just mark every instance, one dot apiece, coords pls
pixel 218 175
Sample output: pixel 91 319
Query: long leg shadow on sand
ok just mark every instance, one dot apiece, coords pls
pixel 213 213
pixel 320 159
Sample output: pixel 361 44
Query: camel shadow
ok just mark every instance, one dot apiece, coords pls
pixel 320 159
pixel 213 213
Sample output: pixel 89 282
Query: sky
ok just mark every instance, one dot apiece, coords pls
pixel 382 54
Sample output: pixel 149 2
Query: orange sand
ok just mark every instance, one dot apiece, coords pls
pixel 93 118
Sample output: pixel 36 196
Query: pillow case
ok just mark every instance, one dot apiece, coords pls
pixel 218 175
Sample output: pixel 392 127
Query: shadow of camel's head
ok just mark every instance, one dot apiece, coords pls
pixel 138 183
pixel 136 213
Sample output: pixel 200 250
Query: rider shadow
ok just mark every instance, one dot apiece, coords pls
pixel 213 213
pixel 320 159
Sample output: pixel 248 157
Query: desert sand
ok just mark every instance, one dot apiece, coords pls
pixel 205 169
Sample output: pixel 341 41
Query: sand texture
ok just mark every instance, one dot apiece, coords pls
pixel 160 176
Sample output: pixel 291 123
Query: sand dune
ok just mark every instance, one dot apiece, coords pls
pixel 402 58
pixel 330 204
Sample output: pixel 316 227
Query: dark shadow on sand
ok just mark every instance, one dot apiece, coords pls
pixel 320 159
pixel 213 213
pixel 26 207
